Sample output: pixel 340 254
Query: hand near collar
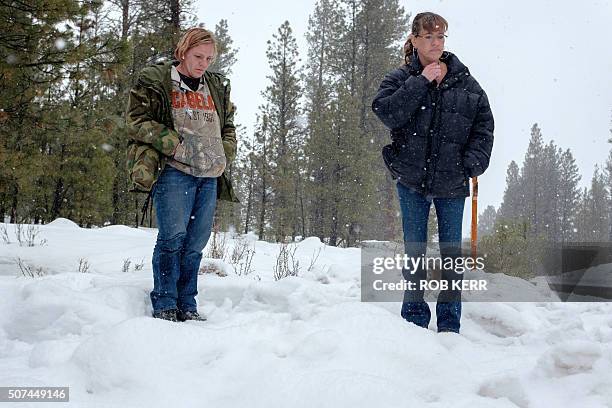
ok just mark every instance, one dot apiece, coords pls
pixel 434 71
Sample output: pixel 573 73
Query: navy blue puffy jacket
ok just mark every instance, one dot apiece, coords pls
pixel 440 136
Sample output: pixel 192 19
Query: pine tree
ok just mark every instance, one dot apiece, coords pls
pixel 323 36
pixel 130 13
pixel 246 167
pixel 608 182
pixel 512 206
pixel 544 191
pixel 57 71
pixel 226 53
pixel 379 28
pixel 263 156
pixel 486 222
pixel 282 96
pixel 227 214
pixel 568 196
pixel 346 202
pixel 600 204
pixel 33 49
pixel 593 211
pixel 550 192
pixel 533 181
pixel 85 170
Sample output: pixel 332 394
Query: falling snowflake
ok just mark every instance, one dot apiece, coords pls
pixel 60 44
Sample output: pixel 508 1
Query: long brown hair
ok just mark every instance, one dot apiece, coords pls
pixel 423 21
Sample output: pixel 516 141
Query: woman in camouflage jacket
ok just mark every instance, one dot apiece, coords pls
pixel 182 138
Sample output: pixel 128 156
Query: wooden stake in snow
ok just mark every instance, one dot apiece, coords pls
pixel 474 235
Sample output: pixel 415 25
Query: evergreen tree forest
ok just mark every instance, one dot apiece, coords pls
pixel 310 167
pixel 543 205
pixel 545 196
pixel 66 67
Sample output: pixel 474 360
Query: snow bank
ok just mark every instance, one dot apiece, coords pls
pixel 302 341
pixel 63 223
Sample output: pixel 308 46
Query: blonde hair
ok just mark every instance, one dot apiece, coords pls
pixel 423 21
pixel 192 38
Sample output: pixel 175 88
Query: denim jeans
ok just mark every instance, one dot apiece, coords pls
pixel 185 207
pixel 415 214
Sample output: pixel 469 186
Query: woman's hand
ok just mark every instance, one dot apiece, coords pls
pixel 432 71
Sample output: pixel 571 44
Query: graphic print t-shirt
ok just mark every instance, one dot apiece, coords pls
pixel 197 122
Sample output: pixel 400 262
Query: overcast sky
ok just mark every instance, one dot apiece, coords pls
pixel 539 61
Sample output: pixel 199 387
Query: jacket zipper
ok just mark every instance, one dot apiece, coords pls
pixel 426 184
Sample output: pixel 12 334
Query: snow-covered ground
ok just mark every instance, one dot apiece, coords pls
pixel 303 341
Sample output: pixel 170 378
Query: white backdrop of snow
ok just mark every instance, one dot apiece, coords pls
pixel 304 341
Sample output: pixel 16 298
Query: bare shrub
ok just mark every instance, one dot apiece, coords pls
pixel 19 234
pixel 286 264
pixel 218 246
pixel 139 266
pixel 314 258
pixel 83 265
pixel 26 236
pixel 4 234
pixel 242 257
pixel 29 271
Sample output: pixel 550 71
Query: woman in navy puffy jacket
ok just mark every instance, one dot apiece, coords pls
pixel 442 134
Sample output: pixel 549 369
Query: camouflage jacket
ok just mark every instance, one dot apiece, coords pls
pixel 151 129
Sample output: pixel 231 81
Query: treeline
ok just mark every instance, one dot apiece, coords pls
pixel 66 67
pixel 311 167
pixel 543 205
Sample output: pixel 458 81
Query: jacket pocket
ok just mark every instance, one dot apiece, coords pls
pixel 389 154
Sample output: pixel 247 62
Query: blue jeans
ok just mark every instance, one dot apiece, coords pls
pixel 185 207
pixel 415 214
